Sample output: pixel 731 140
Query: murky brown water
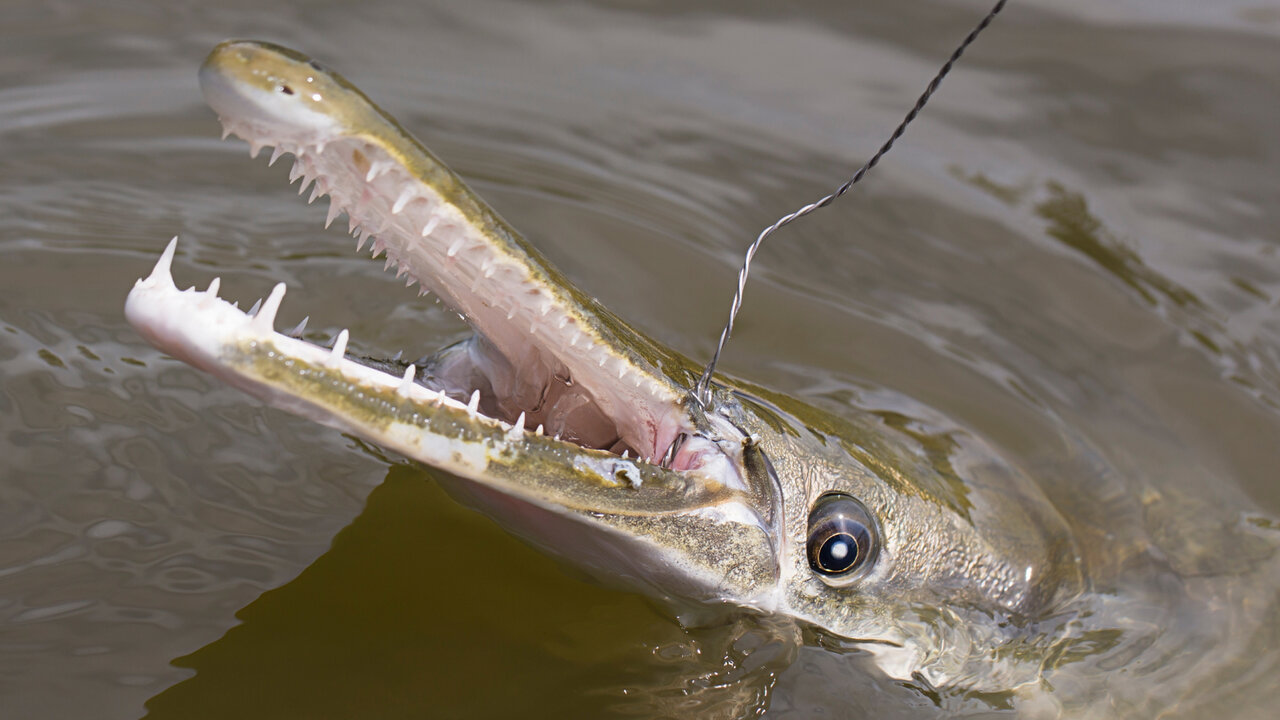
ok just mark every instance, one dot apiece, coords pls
pixel 1074 255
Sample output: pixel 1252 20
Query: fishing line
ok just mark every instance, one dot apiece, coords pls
pixel 702 390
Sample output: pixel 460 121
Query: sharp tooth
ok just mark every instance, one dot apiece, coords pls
pixel 430 225
pixel 545 309
pixel 622 372
pixel 474 402
pixel 275 155
pixel 296 172
pixel 339 350
pixel 573 341
pixel 265 320
pixel 334 210
pixel 315 193
pixel 405 196
pixel 517 429
pixel 387 265
pixel 306 182
pixel 378 247
pixel 320 146
pixel 213 288
pixel 564 320
pixel 454 248
pixel 351 222
pixel 423 292
pixel 626 454
pixel 376 169
pixel 410 281
pixel 253 311
pixel 402 270
pixel 511 313
pixel 254 148
pixel 557 437
pixel 406 383
pixel 160 274
pixel 603 358
pixel 538 431
pixel 226 130
pixel 299 328
pixel 360 238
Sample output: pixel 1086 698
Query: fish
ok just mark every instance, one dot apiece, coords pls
pixel 583 435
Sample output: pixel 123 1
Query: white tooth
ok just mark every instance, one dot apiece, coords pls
pixel 315 193
pixel 306 182
pixel 160 274
pixel 511 313
pixel 410 281
pixel 517 429
pixel 213 287
pixel 488 272
pixel 430 225
pixel 557 437
pixel 265 320
pixel 275 155
pixel 339 350
pixel 320 146
pixel 360 238
pixel 334 210
pixel 577 335
pixel 253 311
pixel 254 148
pixel 402 270
pixel 406 383
pixel 299 328
pixel 296 172
pixel 378 247
pixel 454 248
pixel 405 196
pixel 602 360
pixel 626 454
pixel 564 320
pixel 474 402
pixel 375 169
pixel 423 292
pixel 226 130
pixel 538 431
pixel 545 309
pixel 622 372
pixel 351 223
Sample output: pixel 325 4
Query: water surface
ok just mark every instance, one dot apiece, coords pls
pixel 1072 256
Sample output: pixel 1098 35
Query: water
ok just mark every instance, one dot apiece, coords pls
pixel 1072 255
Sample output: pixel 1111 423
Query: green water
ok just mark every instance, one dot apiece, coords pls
pixel 1072 255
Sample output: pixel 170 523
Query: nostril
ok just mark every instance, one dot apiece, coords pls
pixel 286 89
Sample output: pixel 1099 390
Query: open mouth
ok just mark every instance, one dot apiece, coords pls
pixel 546 358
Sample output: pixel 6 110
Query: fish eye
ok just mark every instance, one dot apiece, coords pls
pixel 843 541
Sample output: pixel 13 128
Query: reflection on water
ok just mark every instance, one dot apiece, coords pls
pixel 1072 256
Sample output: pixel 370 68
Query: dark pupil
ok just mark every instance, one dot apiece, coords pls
pixel 838 553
